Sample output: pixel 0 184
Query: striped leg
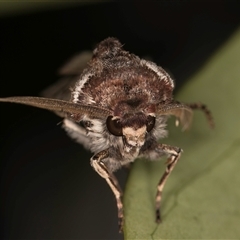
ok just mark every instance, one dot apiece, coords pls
pixel 202 107
pixel 174 155
pixel 101 169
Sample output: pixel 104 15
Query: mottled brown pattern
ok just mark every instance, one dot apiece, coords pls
pixel 119 75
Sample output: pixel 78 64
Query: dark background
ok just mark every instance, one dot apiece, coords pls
pixel 48 188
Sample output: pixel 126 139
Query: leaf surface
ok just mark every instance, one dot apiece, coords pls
pixel 201 198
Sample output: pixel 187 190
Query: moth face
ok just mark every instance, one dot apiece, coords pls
pixel 132 129
pixel 134 137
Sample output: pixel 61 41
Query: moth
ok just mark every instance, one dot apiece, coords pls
pixel 118 109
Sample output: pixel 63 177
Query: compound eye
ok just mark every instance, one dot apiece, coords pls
pixel 150 123
pixel 114 126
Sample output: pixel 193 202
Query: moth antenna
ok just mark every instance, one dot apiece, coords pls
pixel 60 106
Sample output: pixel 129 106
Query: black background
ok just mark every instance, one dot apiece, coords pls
pixel 48 188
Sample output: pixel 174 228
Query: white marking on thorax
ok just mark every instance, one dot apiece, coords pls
pixel 162 74
pixel 79 85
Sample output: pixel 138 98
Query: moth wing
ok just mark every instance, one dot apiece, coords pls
pixel 185 117
pixel 69 73
pixel 182 112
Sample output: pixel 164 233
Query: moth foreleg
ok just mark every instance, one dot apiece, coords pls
pixel 100 167
pixel 206 111
pixel 76 132
pixel 174 154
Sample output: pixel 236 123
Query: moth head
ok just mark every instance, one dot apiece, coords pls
pixel 131 127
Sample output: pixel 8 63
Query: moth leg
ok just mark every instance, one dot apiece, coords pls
pixel 206 111
pixel 101 168
pixel 76 132
pixel 174 154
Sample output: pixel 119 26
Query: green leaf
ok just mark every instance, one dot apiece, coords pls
pixel 202 196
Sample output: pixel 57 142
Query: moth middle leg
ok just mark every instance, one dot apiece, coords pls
pixel 101 168
pixel 205 110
